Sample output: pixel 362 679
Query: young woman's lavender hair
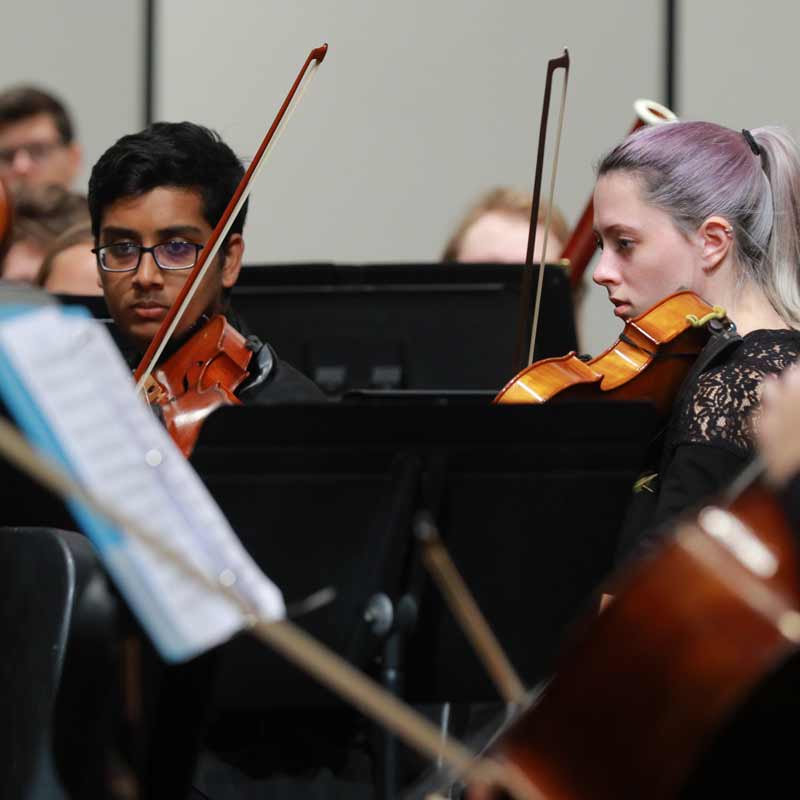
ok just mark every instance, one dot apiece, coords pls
pixel 695 170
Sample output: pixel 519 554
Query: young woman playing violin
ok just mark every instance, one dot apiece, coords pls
pixel 696 206
pixel 154 199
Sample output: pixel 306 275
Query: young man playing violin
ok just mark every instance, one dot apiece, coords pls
pixel 154 199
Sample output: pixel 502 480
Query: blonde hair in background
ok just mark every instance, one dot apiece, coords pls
pixel 504 200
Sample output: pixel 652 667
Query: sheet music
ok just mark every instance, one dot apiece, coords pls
pixel 73 374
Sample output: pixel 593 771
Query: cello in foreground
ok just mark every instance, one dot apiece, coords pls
pixel 642 692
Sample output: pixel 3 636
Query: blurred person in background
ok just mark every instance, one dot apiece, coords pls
pixel 495 230
pixel 70 266
pixel 37 140
pixel 41 215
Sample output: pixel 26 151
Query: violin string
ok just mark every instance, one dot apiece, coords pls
pixel 313 657
pixel 231 219
pixel 548 217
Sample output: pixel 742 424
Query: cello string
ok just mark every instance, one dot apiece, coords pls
pixel 548 217
pixel 776 608
pixel 143 379
pixel 748 476
pixel 311 656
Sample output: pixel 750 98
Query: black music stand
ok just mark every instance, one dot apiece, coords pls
pixel 394 326
pixel 325 495
pixel 529 500
pixel 401 326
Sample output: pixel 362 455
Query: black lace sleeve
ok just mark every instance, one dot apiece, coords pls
pixel 720 412
pixel 710 437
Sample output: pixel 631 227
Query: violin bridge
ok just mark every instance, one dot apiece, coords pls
pixel 153 391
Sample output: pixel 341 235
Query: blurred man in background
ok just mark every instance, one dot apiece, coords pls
pixel 37 140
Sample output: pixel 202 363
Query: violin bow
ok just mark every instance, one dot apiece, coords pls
pixel 213 245
pixel 526 332
pixel 451 584
pixel 465 609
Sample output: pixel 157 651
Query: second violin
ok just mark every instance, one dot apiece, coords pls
pixel 649 361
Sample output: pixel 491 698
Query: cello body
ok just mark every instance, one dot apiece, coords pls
pixel 641 691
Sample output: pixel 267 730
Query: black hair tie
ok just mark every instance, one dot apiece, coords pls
pixel 753 144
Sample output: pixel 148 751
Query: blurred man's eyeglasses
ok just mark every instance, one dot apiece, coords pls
pixel 37 152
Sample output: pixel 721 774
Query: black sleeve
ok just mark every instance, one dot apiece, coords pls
pixel 285 384
pixel 695 472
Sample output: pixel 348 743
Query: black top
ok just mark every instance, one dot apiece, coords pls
pixel 271 380
pixel 709 438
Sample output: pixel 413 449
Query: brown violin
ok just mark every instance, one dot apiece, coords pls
pixel 205 373
pixel 649 360
pixel 199 378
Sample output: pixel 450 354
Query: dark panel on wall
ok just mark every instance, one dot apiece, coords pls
pixel 671 54
pixel 149 47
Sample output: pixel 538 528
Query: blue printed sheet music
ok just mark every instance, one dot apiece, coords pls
pixel 72 394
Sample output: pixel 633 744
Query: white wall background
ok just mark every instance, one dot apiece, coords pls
pixel 740 62
pixel 90 53
pixel 420 106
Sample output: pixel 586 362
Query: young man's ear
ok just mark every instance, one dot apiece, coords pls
pixel 232 264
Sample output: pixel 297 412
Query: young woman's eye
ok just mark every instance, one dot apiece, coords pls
pixel 624 244
pixel 598 241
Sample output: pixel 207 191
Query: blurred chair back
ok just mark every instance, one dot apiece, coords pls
pixel 54 598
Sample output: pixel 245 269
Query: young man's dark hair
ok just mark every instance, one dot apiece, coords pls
pixel 177 154
pixel 22 102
